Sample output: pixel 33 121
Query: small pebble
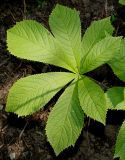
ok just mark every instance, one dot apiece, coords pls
pixel 1 107
pixel 12 155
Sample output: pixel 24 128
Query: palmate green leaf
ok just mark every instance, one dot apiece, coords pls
pixel 92 99
pixel 102 52
pixel 65 121
pixel 120 143
pixel 31 93
pixel 118 62
pixel 64 48
pixel 115 98
pixel 65 25
pixel 122 2
pixel 30 40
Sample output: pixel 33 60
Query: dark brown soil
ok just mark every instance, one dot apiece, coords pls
pixel 24 138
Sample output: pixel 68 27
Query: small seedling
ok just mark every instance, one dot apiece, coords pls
pixel 63 47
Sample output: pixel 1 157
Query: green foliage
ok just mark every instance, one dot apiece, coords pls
pixel 122 2
pixel 93 105
pixel 93 35
pixel 65 25
pixel 66 120
pixel 64 47
pixel 30 40
pixel 118 63
pixel 115 98
pixel 33 92
pixel 120 143
pixel 101 52
pixel 116 101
